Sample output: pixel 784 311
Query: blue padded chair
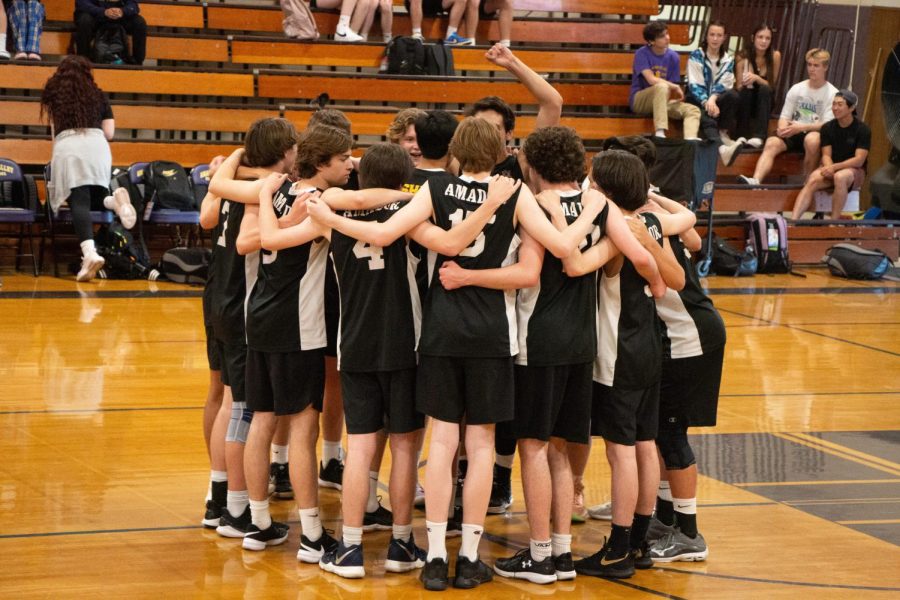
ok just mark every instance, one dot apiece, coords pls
pixel 19 208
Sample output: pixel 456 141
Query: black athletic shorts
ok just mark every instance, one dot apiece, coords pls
pixel 795 142
pixel 381 400
pixel 689 389
pixel 212 350
pixel 449 388
pixel 553 401
pixel 285 382
pixel 430 8
pixel 625 416
pixel 482 13
pixel 234 368
pixel 332 309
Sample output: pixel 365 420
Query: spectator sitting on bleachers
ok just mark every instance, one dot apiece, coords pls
pixel 807 107
pixel 91 15
pixel 656 84
pixel 385 8
pixel 431 8
pixel 710 76
pixel 26 21
pixel 475 10
pixel 4 53
pixel 755 76
pixel 356 17
pixel 845 147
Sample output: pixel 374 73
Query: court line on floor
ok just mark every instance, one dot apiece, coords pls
pixel 829 482
pixel 841 586
pixel 7 536
pixel 847 450
pixel 802 330
pixel 799 291
pixel 840 451
pixel 871 522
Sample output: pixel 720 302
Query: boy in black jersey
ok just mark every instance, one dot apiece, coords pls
pixel 270 146
pixel 468 336
pixel 626 373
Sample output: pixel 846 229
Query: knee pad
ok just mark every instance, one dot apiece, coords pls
pixel 239 423
pixel 675 449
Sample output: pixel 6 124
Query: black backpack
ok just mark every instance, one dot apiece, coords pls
pixel 406 56
pixel 125 259
pixel 725 260
pixel 853 262
pixel 166 185
pixel 439 59
pixel 186 265
pixel 110 44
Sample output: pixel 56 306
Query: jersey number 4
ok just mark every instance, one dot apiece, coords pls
pixel 477 246
pixel 374 254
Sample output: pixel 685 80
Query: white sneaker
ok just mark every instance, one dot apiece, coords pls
pixel 729 152
pixel 601 512
pixel 349 36
pixel 4 53
pixel 755 142
pixel 748 180
pixel 120 203
pixel 90 264
pixel 418 36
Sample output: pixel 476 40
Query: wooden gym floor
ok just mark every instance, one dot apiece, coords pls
pixel 104 471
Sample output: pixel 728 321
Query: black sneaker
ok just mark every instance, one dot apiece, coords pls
pixel 234 527
pixel 404 556
pixel 641 556
pixel 380 518
pixel 471 574
pixel 501 493
pixel 565 567
pixel 213 515
pixel 346 561
pixel 332 474
pixel 523 566
pixel 434 576
pixel 279 475
pixel 257 540
pixel 454 523
pixel 312 552
pixel 604 564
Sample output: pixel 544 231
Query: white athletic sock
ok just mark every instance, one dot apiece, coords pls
pixel 560 543
pixel 540 550
pixel 401 532
pixel 417 31
pixel 452 508
pixel 352 536
pixel 310 524
pixel 661 133
pixel 343 25
pixel 685 506
pixel 505 460
pixel 259 514
pixel 87 248
pixel 664 491
pixel 330 451
pixel 471 537
pixel 451 30
pixel 372 502
pixel 2 41
pixel 386 37
pixel 279 454
pixel 237 502
pixel 506 43
pixel 437 540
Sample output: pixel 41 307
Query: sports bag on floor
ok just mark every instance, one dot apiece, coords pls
pixel 298 21
pixel 186 265
pixel 166 185
pixel 725 260
pixel 767 235
pixel 853 262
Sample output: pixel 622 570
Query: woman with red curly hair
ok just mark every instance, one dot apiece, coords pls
pixel 81 122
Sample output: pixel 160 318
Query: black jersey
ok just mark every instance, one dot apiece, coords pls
pixel 629 348
pixel 691 324
pixel 231 276
pixel 556 318
pixel 510 167
pixel 285 312
pixel 470 321
pixel 419 178
pixel 380 306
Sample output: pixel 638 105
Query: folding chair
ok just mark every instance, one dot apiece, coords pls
pixel 19 206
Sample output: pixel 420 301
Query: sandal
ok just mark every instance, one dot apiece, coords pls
pixel 34 56
pixel 20 56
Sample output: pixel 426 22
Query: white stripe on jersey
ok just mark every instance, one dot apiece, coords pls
pixel 412 263
pixel 680 326
pixel 527 299
pixel 251 273
pixel 609 308
pixel 512 256
pixel 311 304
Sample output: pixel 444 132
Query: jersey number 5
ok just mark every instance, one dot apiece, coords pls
pixel 374 254
pixel 477 246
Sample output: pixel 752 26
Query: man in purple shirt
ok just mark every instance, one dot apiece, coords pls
pixel 90 15
pixel 656 84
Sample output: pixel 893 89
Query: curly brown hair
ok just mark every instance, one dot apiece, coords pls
pixel 71 95
pixel 556 153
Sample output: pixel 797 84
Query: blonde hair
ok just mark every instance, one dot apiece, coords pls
pixel 820 54
pixel 477 145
